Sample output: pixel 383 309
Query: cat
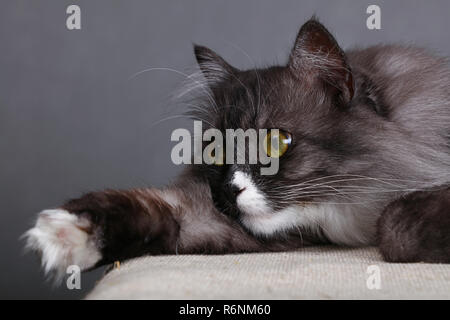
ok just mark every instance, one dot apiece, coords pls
pixel 366 163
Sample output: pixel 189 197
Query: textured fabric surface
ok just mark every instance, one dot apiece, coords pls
pixel 310 273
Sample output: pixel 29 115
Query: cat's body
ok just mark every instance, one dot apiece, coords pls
pixel 368 127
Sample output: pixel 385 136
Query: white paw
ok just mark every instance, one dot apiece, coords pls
pixel 61 239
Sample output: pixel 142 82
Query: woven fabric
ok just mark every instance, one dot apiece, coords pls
pixel 310 273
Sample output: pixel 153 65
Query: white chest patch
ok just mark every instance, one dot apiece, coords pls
pixel 346 224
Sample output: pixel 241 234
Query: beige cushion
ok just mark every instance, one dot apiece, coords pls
pixel 310 273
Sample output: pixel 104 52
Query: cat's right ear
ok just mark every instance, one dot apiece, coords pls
pixel 214 67
pixel 316 54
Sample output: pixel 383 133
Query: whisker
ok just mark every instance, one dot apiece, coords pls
pixel 187 76
pixel 166 119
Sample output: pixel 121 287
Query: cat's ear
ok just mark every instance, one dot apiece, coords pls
pixel 214 67
pixel 317 54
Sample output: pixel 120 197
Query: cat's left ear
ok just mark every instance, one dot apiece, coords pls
pixel 214 67
pixel 316 54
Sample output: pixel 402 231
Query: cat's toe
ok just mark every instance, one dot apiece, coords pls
pixel 63 239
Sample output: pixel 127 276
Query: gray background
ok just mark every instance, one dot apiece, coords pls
pixel 71 120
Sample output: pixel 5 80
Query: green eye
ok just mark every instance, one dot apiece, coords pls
pixel 276 144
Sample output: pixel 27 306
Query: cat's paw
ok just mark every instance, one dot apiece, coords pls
pixel 63 239
pixel 416 228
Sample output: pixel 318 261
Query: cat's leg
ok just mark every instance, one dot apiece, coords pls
pixel 417 228
pixel 102 227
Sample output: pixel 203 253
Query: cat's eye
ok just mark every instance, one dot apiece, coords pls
pixel 218 160
pixel 277 143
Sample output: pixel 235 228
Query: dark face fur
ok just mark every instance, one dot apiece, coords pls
pixel 312 98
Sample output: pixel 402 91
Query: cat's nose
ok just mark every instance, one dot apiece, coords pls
pixel 235 190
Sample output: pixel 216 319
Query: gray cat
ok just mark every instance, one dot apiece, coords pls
pixel 364 159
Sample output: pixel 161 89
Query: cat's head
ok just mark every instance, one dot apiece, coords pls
pixel 309 100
